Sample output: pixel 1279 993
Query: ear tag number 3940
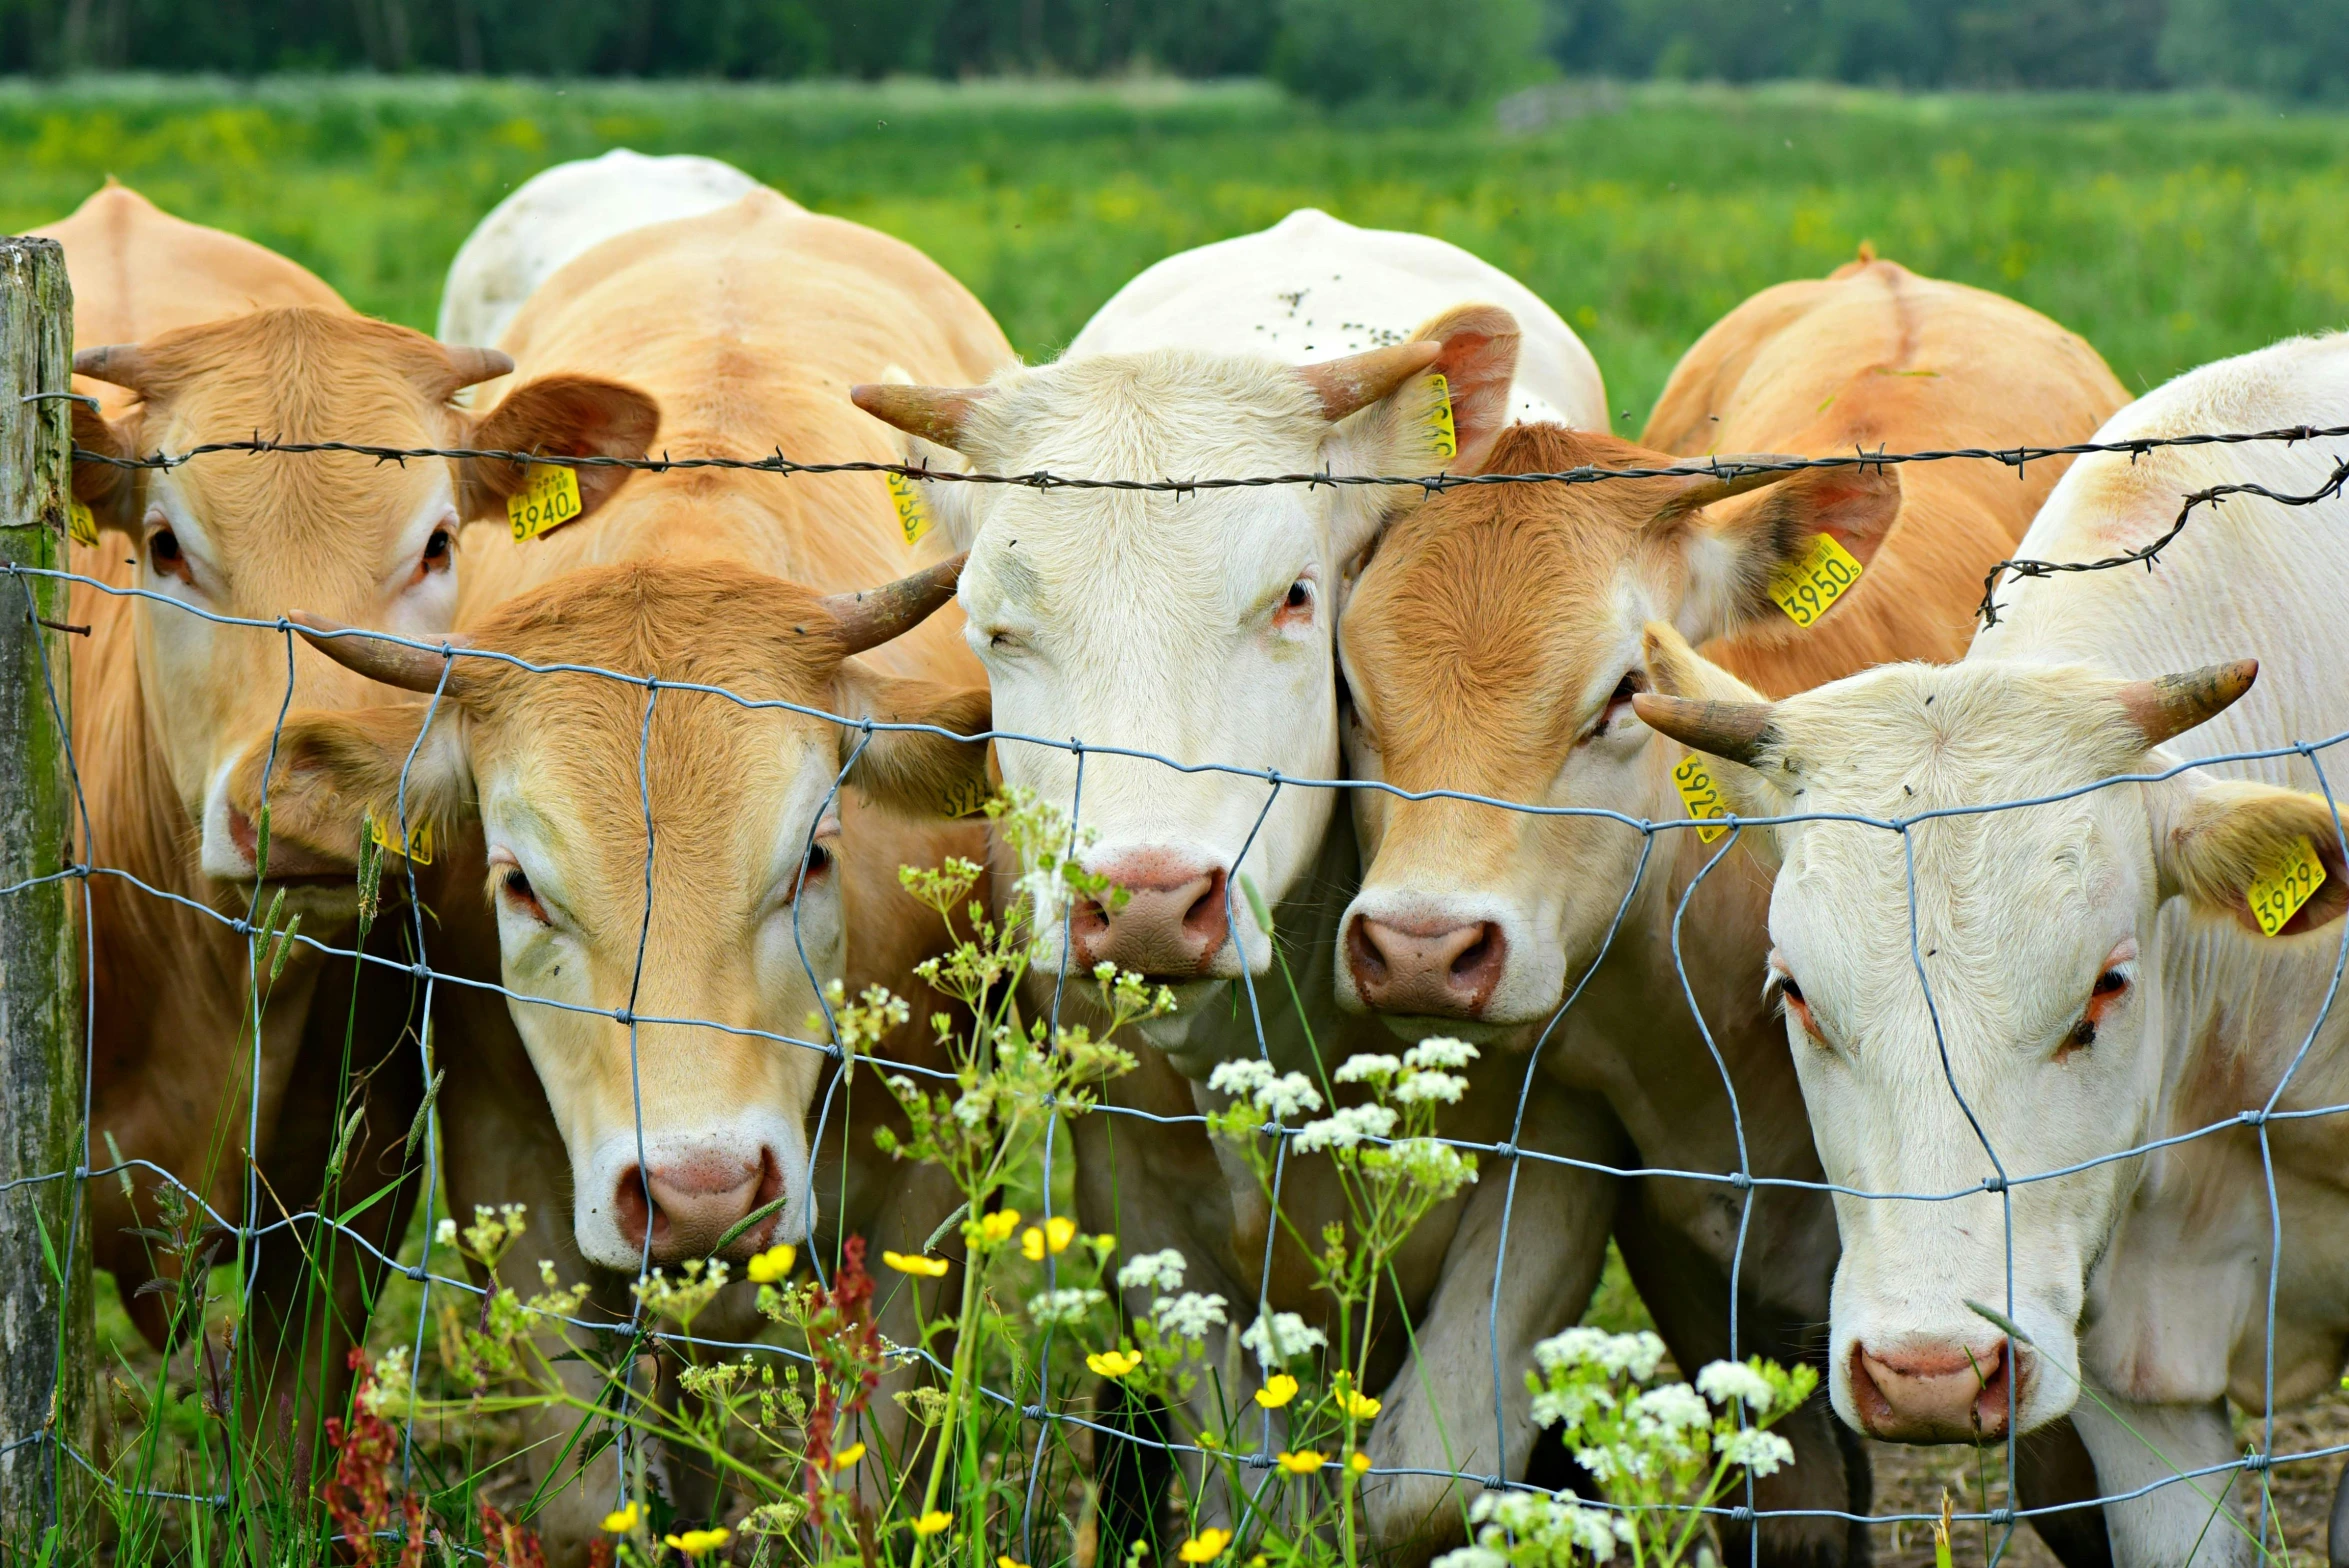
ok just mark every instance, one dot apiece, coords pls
pixel 2277 896
pixel 1435 416
pixel 550 500
pixel 1701 795
pixel 419 838
pixel 1805 589
pixel 913 518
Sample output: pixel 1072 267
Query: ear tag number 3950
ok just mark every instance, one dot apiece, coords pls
pixel 550 500
pixel 2277 896
pixel 419 839
pixel 1701 795
pixel 1806 588
pixel 913 518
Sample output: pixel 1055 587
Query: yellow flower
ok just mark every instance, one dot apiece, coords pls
pixel 699 1543
pixel 773 1265
pixel 996 1228
pixel 1009 1562
pixel 1359 1463
pixel 1277 1391
pixel 927 1268
pixel 1359 1407
pixel 1205 1547
pixel 1114 1363
pixel 848 1456
pixel 1057 1233
pixel 1304 1463
pixel 932 1522
pixel 625 1520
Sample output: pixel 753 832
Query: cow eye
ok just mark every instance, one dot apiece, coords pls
pixel 165 556
pixel 2111 983
pixel 819 861
pixel 520 896
pixel 1618 701
pixel 1296 607
pixel 437 550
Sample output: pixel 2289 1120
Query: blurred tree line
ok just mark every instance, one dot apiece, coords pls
pixel 1334 50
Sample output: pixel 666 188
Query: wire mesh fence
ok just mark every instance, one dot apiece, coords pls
pixel 1040 1403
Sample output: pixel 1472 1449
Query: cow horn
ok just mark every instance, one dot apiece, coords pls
pixel 937 414
pixel 1359 380
pixel 1697 490
pixel 875 615
pixel 472 366
pixel 118 364
pixel 1733 731
pixel 2173 704
pixel 380 659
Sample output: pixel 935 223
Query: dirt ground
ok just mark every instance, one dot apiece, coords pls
pixel 1910 1480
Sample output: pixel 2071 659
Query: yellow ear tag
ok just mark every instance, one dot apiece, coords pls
pixel 419 840
pixel 2277 896
pixel 1805 589
pixel 1700 794
pixel 550 500
pixel 965 798
pixel 80 523
pixel 913 518
pixel 1434 416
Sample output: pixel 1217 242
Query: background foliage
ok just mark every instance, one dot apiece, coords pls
pixel 1338 50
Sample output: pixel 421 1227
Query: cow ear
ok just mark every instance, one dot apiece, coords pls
pixel 558 416
pixel 109 490
pixel 2220 844
pixel 1677 671
pixel 1739 547
pixel 337 769
pixel 920 773
pixel 1407 432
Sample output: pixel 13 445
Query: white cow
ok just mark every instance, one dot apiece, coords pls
pixel 566 211
pixel 2097 979
pixel 1198 626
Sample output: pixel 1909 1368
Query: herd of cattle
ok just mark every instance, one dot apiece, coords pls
pixel 2086 974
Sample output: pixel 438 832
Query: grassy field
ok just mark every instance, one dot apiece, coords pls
pixel 2169 231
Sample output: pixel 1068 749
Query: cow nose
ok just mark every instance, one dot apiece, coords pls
pixel 1934 1393
pixel 1171 922
pixel 1443 972
pixel 695 1201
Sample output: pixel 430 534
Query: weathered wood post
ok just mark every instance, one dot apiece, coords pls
pixel 44 1242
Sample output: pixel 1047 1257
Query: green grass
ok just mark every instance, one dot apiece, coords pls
pixel 2167 230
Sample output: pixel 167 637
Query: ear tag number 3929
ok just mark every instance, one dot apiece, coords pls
pixel 1701 795
pixel 1805 589
pixel 2277 896
pixel 1435 416
pixel 80 522
pixel 419 837
pixel 913 518
pixel 550 500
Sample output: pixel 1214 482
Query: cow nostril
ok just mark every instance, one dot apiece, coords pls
pixel 1207 920
pixel 1363 955
pixel 1479 956
pixel 631 1206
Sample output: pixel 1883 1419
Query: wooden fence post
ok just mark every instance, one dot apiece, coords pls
pixel 45 1330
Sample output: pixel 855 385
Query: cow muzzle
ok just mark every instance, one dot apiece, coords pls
pixel 689 1204
pixel 1172 922
pixel 1938 1392
pixel 1425 969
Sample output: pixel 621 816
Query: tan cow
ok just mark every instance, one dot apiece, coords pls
pixel 1493 647
pixel 748 324
pixel 189 335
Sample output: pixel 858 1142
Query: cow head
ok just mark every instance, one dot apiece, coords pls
pixel 569 780
pixel 1493 648
pixel 2040 931
pixel 349 536
pixel 1197 624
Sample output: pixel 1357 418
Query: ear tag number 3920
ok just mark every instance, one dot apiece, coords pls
pixel 1805 589
pixel 913 518
pixel 2291 882
pixel 1435 416
pixel 419 838
pixel 1701 795
pixel 550 500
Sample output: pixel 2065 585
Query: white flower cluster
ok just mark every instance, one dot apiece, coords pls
pixel 1421 1086
pixel 394 1389
pixel 1724 1381
pixel 1433 1164
pixel 1063 1308
pixel 1764 1453
pixel 1638 1354
pixel 1442 1051
pixel 1347 1128
pixel 1555 1528
pixel 1367 1069
pixel 1187 1316
pixel 1152 1270
pixel 1278 1336
pixel 1277 1095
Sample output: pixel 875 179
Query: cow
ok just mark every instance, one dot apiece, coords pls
pixel 564 212
pixel 1493 650
pixel 1198 625
pixel 185 335
pixel 767 879
pixel 2084 977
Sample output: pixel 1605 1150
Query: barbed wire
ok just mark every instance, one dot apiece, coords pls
pixel 1744 1180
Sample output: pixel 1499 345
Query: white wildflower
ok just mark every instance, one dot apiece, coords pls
pixel 1063 1308
pixel 1187 1316
pixel 1347 1128
pixel 1471 1557
pixel 1442 1051
pixel 394 1389
pixel 1278 1336
pixel 1159 1270
pixel 1761 1452
pixel 1724 1381
pixel 1433 1164
pixel 1447 1087
pixel 1240 1078
pixel 1361 1069
pixel 1674 1407
pixel 445 1233
pixel 1570 1405
pixel 1291 1094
